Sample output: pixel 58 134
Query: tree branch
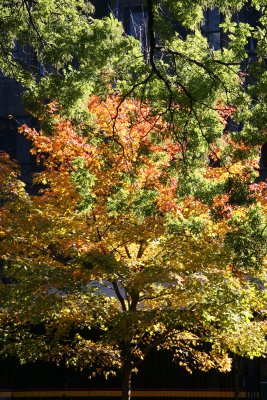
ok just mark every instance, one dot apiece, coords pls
pixel 152 48
pixel 119 295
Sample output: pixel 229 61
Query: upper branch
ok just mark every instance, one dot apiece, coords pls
pixel 152 48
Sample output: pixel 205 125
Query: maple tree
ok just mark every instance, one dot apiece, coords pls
pixel 119 253
pixel 148 230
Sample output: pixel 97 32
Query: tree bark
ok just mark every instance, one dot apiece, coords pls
pixel 126 374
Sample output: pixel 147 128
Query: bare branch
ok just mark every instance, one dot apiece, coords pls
pixel 119 295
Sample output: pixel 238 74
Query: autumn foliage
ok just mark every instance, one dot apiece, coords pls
pixel 124 239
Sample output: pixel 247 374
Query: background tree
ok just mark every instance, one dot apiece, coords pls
pixel 57 65
pixel 114 257
pixel 63 53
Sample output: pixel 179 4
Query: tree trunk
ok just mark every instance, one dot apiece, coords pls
pixel 237 372
pixel 126 375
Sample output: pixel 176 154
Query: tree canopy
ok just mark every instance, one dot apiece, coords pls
pixel 116 256
pixel 147 229
pixel 57 50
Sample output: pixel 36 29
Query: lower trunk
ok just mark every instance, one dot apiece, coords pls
pixel 237 372
pixel 126 375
